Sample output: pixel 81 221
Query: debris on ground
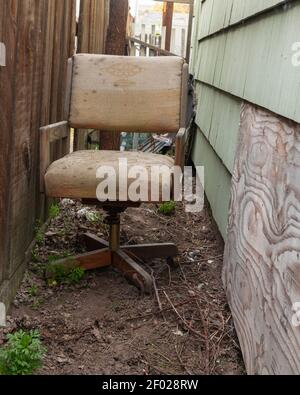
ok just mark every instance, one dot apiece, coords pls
pixel 102 325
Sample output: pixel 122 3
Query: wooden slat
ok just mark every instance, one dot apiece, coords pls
pixel 48 62
pixel 32 89
pixel 219 15
pixel 168 23
pixel 261 266
pixel 8 33
pixel 92 30
pixel 218 117
pixel 217 180
pixel 56 81
pixel 254 61
pixel 51 134
pixel 23 156
pixel 158 51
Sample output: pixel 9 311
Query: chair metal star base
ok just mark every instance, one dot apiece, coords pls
pixel 126 259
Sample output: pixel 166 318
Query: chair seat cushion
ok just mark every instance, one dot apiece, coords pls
pixel 74 176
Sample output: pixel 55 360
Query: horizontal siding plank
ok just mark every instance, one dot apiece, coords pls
pixel 246 61
pixel 218 117
pixel 217 15
pixel 217 180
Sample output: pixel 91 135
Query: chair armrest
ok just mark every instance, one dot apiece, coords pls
pixel 55 131
pixel 180 147
pixel 58 133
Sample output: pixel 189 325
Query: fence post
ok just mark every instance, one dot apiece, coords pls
pixel 168 21
pixel 183 38
pixel 143 38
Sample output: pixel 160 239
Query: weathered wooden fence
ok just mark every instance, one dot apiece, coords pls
pixel 39 37
pixel 154 44
pixel 148 45
pixel 92 30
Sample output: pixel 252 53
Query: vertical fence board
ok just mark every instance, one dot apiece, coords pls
pixel 92 29
pixel 39 36
pixel 8 33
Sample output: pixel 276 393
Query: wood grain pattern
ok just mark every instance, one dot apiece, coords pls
pixel 253 60
pixel 262 257
pixel 33 83
pixel 92 32
pixel 92 26
pixel 8 32
pixel 126 93
pixel 217 15
pixel 115 45
pixel 51 134
pixel 241 52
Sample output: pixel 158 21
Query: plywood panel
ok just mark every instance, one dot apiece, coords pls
pixel 254 61
pixel 262 265
pixel 217 180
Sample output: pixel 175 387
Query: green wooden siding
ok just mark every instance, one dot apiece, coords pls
pixel 217 180
pixel 242 50
pixel 220 14
pixel 218 117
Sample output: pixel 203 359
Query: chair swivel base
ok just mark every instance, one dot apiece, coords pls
pixel 124 258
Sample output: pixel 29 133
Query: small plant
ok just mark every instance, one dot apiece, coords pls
pixel 60 274
pixel 22 354
pixel 167 208
pixel 33 290
pixel 76 275
pixel 54 211
pixel 39 235
pixel 35 256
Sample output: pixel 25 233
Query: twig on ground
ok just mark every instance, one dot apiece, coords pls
pixel 158 312
pixel 160 306
pixel 186 324
pixel 181 362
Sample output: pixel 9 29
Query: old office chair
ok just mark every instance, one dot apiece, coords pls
pixel 124 94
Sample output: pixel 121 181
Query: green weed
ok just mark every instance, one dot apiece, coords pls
pixel 39 234
pixel 54 211
pixel 33 290
pixel 22 354
pixel 60 274
pixel 167 208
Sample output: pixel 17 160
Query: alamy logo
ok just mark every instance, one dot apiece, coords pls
pixel 151 184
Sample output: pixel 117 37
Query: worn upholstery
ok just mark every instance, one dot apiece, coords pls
pixel 74 176
pixel 126 94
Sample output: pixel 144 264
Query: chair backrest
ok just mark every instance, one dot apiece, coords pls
pixel 130 94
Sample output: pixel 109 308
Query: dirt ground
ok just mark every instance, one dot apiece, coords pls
pixel 104 326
